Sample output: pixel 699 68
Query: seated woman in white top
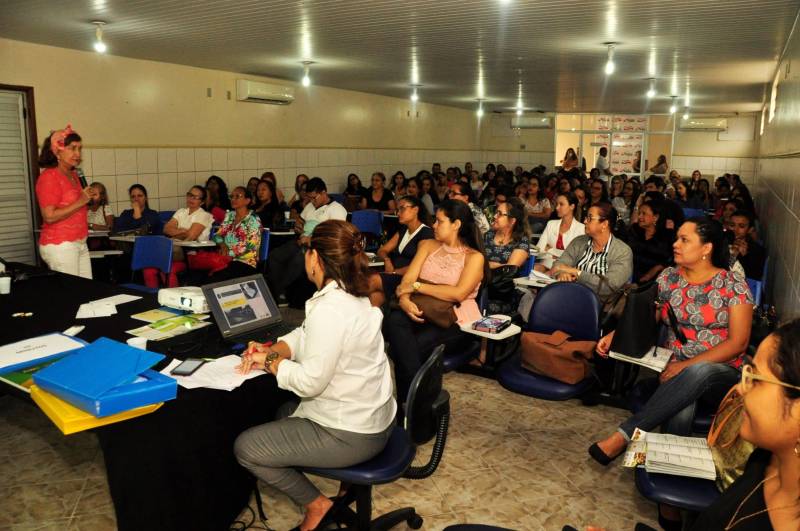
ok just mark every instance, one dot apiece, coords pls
pixel 188 224
pixel 335 362
pixel 559 233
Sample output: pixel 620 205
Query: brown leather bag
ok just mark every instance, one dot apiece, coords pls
pixel 436 311
pixel 555 356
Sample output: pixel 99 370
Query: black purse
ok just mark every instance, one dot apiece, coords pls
pixel 501 283
pixel 636 332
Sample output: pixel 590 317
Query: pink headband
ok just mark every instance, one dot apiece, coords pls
pixel 57 139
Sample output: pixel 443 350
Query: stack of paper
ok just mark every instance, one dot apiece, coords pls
pixel 166 328
pixel 103 307
pixel 656 358
pixel 218 374
pixel 541 277
pixel 35 350
pixel 670 454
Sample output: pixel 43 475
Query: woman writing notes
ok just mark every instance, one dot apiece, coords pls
pixel 62 200
pixel 336 363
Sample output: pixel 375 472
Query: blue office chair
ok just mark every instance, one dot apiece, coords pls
pixel 263 251
pixel 691 494
pixel 755 288
pixel 694 213
pixel 370 223
pixel 427 416
pixel 526 268
pixel 150 251
pixel 165 215
pixel 567 306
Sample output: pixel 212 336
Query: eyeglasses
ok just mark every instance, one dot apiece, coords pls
pixel 404 207
pixel 595 218
pixel 749 377
pixel 192 196
pixel 237 196
pixel 500 214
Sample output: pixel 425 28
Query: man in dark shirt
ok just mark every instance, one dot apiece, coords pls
pixel 750 253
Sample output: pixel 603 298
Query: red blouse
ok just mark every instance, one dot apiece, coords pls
pixel 53 188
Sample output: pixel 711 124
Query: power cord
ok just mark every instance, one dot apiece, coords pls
pixel 241 525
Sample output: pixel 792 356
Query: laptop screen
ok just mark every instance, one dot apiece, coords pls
pixel 241 305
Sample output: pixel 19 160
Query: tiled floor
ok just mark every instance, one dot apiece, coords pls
pixel 510 460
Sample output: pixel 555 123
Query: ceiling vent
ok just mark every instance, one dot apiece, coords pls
pixel 256 92
pixel 703 124
pixel 531 122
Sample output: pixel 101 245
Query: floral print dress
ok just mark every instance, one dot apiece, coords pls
pixel 702 310
pixel 243 239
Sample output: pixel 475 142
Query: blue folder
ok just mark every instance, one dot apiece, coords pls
pixel 107 377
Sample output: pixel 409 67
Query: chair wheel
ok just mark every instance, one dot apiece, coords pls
pixel 415 522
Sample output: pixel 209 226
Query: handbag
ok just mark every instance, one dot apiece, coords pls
pixel 501 283
pixel 729 450
pixel 436 311
pixel 556 356
pixel 637 329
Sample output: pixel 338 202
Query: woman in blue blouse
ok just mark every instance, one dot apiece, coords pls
pixel 140 216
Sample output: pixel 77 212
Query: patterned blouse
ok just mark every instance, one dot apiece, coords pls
pixel 501 253
pixel 702 310
pixel 243 240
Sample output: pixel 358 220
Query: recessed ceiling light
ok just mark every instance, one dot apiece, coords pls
pixel 610 66
pixel 306 81
pixel 99 45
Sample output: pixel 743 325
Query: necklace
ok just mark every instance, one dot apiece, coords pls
pixel 733 522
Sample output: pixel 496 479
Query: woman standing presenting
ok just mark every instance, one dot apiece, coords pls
pixel 336 363
pixel 62 202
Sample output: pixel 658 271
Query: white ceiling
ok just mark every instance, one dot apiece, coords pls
pixel 726 49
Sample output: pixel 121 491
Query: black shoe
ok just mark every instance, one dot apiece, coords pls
pixel 600 456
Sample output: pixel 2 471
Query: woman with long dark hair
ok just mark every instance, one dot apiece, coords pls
pixel 217 201
pixel 62 202
pixel 335 362
pixel 140 216
pixel 267 206
pixel 452 267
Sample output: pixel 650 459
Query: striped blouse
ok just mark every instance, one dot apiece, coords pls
pixel 593 262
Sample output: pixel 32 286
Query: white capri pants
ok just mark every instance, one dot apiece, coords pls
pixel 71 258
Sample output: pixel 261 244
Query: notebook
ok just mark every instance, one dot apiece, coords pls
pixel 245 310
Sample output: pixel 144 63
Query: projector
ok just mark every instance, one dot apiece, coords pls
pixel 188 298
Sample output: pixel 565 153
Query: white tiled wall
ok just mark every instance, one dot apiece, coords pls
pixel 778 201
pixel 168 173
pixel 712 167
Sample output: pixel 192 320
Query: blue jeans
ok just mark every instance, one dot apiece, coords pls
pixel 678 396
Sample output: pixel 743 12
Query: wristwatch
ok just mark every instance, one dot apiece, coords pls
pixel 416 285
pixel 269 360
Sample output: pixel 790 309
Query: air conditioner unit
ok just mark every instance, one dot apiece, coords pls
pixel 257 92
pixel 703 124
pixel 531 122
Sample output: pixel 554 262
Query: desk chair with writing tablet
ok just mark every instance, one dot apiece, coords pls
pixel 150 251
pixel 427 416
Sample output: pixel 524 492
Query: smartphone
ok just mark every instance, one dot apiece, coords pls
pixel 188 367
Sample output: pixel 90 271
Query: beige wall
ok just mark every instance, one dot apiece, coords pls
pixel 129 102
pixel 778 192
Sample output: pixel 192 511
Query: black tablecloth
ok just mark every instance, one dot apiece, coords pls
pixel 175 468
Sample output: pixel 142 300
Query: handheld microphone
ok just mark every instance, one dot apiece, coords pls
pixel 82 177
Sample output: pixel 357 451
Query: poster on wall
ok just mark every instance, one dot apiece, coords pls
pixel 603 123
pixel 626 150
pixel 630 124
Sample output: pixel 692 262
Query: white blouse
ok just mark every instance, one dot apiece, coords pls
pixel 338 365
pixel 550 233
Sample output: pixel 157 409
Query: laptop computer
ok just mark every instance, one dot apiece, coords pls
pixel 245 310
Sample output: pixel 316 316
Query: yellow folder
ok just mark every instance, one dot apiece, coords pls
pixel 70 419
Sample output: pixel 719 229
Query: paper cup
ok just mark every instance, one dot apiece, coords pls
pixel 138 342
pixel 5 285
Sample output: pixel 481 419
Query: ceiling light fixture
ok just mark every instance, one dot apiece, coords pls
pixel 414 94
pixel 99 45
pixel 686 113
pixel 610 66
pixel 479 112
pixel 674 107
pixel 651 93
pixel 306 81
pixel 686 97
